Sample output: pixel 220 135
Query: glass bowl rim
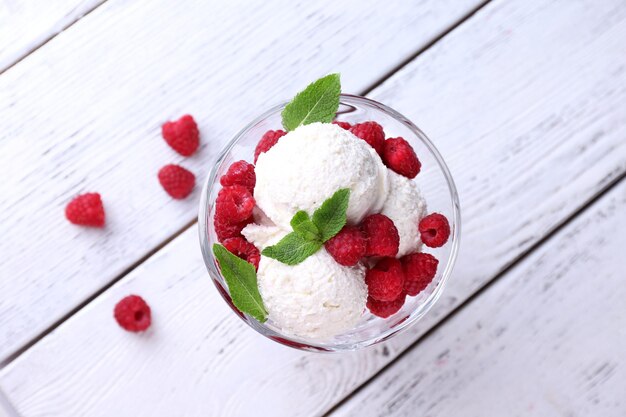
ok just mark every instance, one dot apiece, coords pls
pixel 302 343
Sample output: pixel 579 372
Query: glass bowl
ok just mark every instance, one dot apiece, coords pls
pixel 434 181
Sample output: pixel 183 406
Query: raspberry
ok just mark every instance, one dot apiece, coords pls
pixel 234 204
pixel 381 234
pixel 240 173
pixel 86 210
pixel 225 229
pixel 348 246
pixel 399 155
pixel 419 270
pixel 182 135
pixel 343 125
pixel 176 181
pixel 372 133
pixel 434 230
pixel 385 280
pixel 243 249
pixel 269 139
pixel 385 309
pixel 133 313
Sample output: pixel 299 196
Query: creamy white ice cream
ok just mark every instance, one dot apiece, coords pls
pixel 405 206
pixel 311 163
pixel 316 299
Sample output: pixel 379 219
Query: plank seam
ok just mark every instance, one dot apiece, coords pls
pixel 49 38
pixel 485 287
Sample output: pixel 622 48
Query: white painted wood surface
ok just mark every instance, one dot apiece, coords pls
pixel 512 123
pixel 26 24
pixel 83 113
pixel 548 339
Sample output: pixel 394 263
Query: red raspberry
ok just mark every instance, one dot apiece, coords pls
pixel 348 246
pixel 182 135
pixel 86 210
pixel 243 249
pixel 177 181
pixel 225 229
pixel 399 155
pixel 343 125
pixel 434 230
pixel 419 270
pixel 133 313
pixel 372 133
pixel 234 204
pixel 269 139
pixel 385 280
pixel 381 234
pixel 385 309
pixel 240 173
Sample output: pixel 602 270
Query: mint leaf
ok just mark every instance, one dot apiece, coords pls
pixel 302 224
pixel 330 218
pixel 241 279
pixel 292 249
pixel 316 103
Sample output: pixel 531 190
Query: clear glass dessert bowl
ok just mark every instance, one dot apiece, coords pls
pixel 435 183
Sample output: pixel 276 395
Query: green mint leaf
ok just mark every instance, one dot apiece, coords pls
pixel 302 224
pixel 330 218
pixel 242 283
pixel 292 249
pixel 316 103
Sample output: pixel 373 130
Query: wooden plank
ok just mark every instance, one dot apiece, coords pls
pixel 90 121
pixel 505 158
pixel 547 339
pixel 25 25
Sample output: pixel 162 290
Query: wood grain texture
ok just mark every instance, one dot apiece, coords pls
pixel 83 113
pixel 26 24
pixel 530 132
pixel 547 339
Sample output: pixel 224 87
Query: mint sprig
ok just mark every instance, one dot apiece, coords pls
pixel 316 103
pixel 242 284
pixel 311 233
pixel 330 218
pixel 302 224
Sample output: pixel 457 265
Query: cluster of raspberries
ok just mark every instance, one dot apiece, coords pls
pixel 132 312
pixel 375 241
pixel 389 280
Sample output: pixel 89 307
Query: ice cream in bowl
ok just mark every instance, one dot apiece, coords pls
pixel 330 222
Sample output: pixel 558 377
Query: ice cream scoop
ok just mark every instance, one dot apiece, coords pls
pixel 311 163
pixel 315 299
pixel 405 206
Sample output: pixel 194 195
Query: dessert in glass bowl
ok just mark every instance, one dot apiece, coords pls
pixel 330 222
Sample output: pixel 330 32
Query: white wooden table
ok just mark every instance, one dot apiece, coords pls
pixel 526 100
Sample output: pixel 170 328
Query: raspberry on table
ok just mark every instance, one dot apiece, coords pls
pixel 86 210
pixel 385 309
pixel 269 139
pixel 245 250
pixel 434 230
pixel 224 229
pixel 182 135
pixel 133 313
pixel 419 270
pixel 234 203
pixel 381 234
pixel 399 156
pixel 348 246
pixel 385 280
pixel 343 125
pixel 177 181
pixel 240 173
pixel 372 133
